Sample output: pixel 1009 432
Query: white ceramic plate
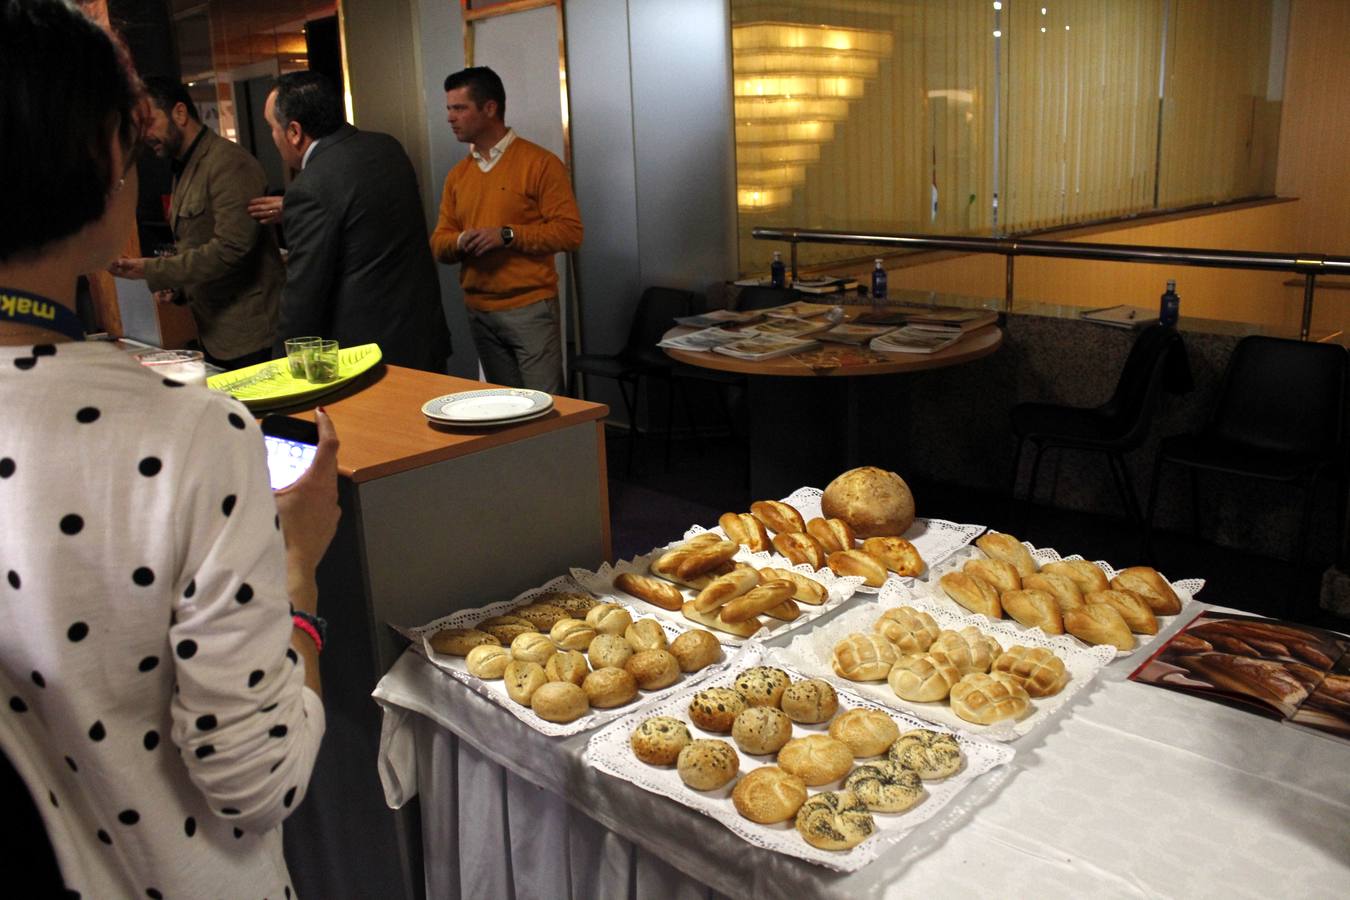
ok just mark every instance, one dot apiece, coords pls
pixel 487 407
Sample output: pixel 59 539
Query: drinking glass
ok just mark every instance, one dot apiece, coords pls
pixel 295 354
pixel 321 362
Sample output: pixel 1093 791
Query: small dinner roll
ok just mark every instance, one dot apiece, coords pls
pixel 572 634
pixel 609 618
pixel 609 687
pixel 609 650
pixel 532 647
pixel 867 732
pixel 645 634
pixel 523 679
pixel 487 661
pixel 809 702
pixel 653 669
pixel 695 650
pixel 559 701
pixel 761 729
pixel 706 765
pixel 567 665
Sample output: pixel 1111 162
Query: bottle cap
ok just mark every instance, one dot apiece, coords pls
pixel 1171 285
pixel 777 254
pixel 877 261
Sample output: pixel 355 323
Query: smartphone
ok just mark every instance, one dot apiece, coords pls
pixel 291 445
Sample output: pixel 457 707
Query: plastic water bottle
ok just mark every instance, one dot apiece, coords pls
pixel 878 284
pixel 1169 310
pixel 777 272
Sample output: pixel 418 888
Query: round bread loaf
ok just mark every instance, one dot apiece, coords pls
pixel 768 795
pixel 762 685
pixel 523 679
pixel 706 765
pixel 609 687
pixel 922 679
pixel 867 732
pixel 909 630
pixel 931 754
pixel 609 650
pixel 571 634
pixel 459 641
pixel 817 758
pixel 658 740
pixel 559 701
pixel 567 665
pixel 885 786
pixel 715 709
pixel 609 618
pixel 533 647
pixel 872 501
pixel 540 615
pixel 810 702
pixel 761 729
pixel 985 699
pixel 835 820
pixel 653 669
pixel 487 661
pixel 695 650
pixel 645 634
pixel 863 657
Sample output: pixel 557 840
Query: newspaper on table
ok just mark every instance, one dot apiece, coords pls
pixel 706 339
pixel 915 340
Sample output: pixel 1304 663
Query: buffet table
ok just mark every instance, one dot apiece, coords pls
pixel 1129 791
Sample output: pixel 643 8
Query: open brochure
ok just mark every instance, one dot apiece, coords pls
pixel 915 340
pixel 697 341
pixel 849 333
pixel 933 318
pixel 763 347
pixel 1281 670
pixel 787 328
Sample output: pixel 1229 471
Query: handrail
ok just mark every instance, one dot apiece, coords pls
pixel 1309 264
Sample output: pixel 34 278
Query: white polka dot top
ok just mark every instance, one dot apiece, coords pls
pixel 151 700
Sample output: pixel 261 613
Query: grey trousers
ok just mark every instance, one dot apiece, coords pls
pixel 520 347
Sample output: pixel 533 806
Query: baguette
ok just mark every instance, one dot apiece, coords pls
pixel 745 530
pixel 758 600
pixel 726 588
pixel 659 593
pixel 705 557
pixel 856 562
pixel 896 554
pixel 661 568
pixel 805 588
pixel 833 534
pixel 800 549
pixel 713 620
pixel 777 516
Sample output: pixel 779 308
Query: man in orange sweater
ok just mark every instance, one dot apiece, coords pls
pixel 505 210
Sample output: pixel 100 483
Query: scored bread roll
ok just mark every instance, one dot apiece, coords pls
pixel 1099 623
pixel 654 591
pixel 910 630
pixel 609 687
pixel 1151 586
pixel 745 530
pixel 609 618
pixel 664 568
pixel 487 661
pixel 975 594
pixel 569 665
pixel 645 634
pixel 609 650
pixel 872 501
pixel 459 641
pixel 997 545
pixel 835 820
pixel 787 611
pixel 760 599
pixel 1061 587
pixel 761 729
pixel 762 685
pixel 653 669
pixel 896 554
pixel 706 765
pixel 856 562
pixel 985 699
pixel 705 557
pixel 768 795
pixel 571 634
pixel 695 650
pixel 726 588
pixel 817 759
pixel 541 615
pixel 715 709
pixel 969 650
pixel 800 549
pixel 1040 671
pixel 885 786
pixel 867 732
pixel 1034 609
pixel 1002 575
pixel 863 657
pixel 922 679
pixel 506 628
pixel 1088 576
pixel 658 740
pixel 833 534
pixel 713 620
pixel 777 516
pixel 523 679
pixel 559 701
pixel 809 702
pixel 575 603
pixel 533 647
pixel 804 588
pixel 1132 608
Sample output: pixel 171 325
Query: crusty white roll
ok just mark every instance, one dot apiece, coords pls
pixel 653 669
pixel 805 588
pixel 726 588
pixel 910 630
pixel 523 679
pixel 809 702
pixel 872 501
pixel 858 562
pixel 609 650
pixel 645 634
pixel 922 679
pixel 762 685
pixel 777 516
pixel 745 530
pixel 985 699
pixel 691 559
pixel 833 534
pixel 863 657
pixel 975 594
pixel 533 647
pixel 1034 609
pixel 1088 576
pixel 761 729
pixel 487 661
pixel 706 765
pixel 817 759
pixel 1063 588
pixel 1151 586
pixel 1132 608
pixel 567 665
pixel 760 599
pixel 559 701
pixel 459 641
pixel 1099 623
pixel 653 590
pixel 609 618
pixel 571 634
pixel 997 545
pixel 800 548
pixel 768 795
pixel 713 620
pixel 1002 575
pixel 658 740
pixel 609 687
pixel 969 649
pixel 1040 671
pixel 867 732
pixel 695 650
pixel 896 554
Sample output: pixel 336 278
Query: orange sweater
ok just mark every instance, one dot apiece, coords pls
pixel 528 190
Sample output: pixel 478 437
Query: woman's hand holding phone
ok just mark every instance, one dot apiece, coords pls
pixel 309 516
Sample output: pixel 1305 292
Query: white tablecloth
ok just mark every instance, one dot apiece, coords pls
pixel 1134 791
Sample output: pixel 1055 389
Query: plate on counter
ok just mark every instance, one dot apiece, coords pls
pixel 270 384
pixel 609 750
pixel 490 406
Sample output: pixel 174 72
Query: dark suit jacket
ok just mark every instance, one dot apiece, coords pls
pixel 360 268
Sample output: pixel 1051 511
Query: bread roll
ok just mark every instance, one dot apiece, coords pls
pixel 896 554
pixel 665 568
pixel 762 685
pixel 857 562
pixel 533 647
pixel 574 603
pixel 985 699
pixel 568 665
pixel 863 657
pixel 658 740
pixel 787 611
pixel 540 615
pixel 695 650
pixel 1002 575
pixel 645 634
pixel 760 599
pixel 885 787
pixel 833 534
pixel 1099 623
pixel 653 669
pixel 1040 671
pixel 559 701
pixel 715 709
pixel 706 765
pixel 726 588
pixel 809 702
pixel 571 634
pixel 835 820
pixel 1088 576
pixel 910 630
pixel 761 729
pixel 459 641
pixel 1152 587
pixel 997 545
pixel 872 501
pixel 800 549
pixel 867 732
pixel 768 795
pixel 804 588
pixel 507 619
pixel 969 650
pixel 523 679
pixel 777 516
pixel 1063 588
pixel 506 628
pixel 975 594
pixel 653 590
pixel 713 620
pixel 609 618
pixel 1034 609
pixel 487 661
pixel 1131 607
pixel 817 759
pixel 922 679
pixel 745 530
pixel 932 754
pixel 609 650
pixel 609 687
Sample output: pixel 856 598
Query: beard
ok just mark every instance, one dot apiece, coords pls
pixel 172 144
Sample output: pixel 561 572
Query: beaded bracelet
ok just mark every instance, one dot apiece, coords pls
pixel 312 626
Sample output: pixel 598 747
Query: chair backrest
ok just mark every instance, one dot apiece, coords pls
pixel 655 315
pixel 1156 350
pixel 1282 395
pixel 764 297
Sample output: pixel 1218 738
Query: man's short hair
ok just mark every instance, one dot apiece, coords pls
pixel 483 84
pixel 310 99
pixel 166 93
pixel 57 171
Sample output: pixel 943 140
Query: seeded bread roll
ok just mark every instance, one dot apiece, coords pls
pixel 559 701
pixel 487 661
pixel 567 665
pixel 695 650
pixel 1034 609
pixel 540 615
pixel 657 741
pixel 707 765
pixel 506 628
pixel 975 594
pixel 762 685
pixel 922 679
pixel 997 545
pixel 609 618
pixel 932 754
pixel 768 795
pixel 1132 608
pixel 609 687
pixel 571 634
pixel 574 603
pixel 1088 576
pixel 715 709
pixel 809 702
pixel 896 554
pixel 910 630
pixel 863 657
pixel 1040 671
pixel 1063 588
pixel 835 820
pixel 817 759
pixel 985 699
pixel 653 669
pixel 523 679
pixel 1151 586
pixel 459 641
pixel 761 729
pixel 645 634
pixel 609 650
pixel 532 647
pixel 867 732
pixel 1002 575
pixel 885 786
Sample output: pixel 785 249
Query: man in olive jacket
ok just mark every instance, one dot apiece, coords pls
pixel 226 265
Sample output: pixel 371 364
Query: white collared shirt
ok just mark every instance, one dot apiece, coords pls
pixel 309 151
pixel 485 164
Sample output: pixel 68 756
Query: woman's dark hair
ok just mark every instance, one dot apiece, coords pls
pixel 483 84
pixel 67 88
pixel 310 99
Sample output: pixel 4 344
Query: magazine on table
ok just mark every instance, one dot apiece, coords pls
pixel 761 347
pixel 953 319
pixel 802 309
pixel 697 341
pixel 719 317
pixel 824 285
pixel 850 333
pixel 915 340
pixel 787 328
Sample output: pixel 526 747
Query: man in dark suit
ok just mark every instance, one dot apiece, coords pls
pixel 360 268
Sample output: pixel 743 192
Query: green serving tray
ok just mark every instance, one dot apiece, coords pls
pixel 270 384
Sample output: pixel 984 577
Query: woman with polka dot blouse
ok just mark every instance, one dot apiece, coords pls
pixel 155 698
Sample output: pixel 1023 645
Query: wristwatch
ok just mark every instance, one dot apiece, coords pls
pixel 508 235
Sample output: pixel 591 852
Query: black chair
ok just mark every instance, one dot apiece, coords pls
pixel 1279 417
pixel 640 358
pixel 1156 361
pixel 764 297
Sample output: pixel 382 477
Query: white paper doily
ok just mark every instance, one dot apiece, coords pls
pixel 1186 589
pixel 495 690
pixel 601 583
pixel 610 752
pixel 812 653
